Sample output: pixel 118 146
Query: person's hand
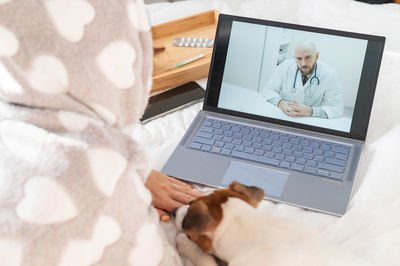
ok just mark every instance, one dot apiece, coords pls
pixel 169 193
pixel 285 106
pixel 295 109
pixel 300 110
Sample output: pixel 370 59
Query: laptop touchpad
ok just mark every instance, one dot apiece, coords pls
pixel 272 181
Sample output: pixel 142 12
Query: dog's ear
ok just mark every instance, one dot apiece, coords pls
pixel 197 223
pixel 197 219
pixel 252 195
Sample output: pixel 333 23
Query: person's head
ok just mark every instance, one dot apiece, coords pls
pixel 306 56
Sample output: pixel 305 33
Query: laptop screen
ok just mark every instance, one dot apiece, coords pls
pixel 295 75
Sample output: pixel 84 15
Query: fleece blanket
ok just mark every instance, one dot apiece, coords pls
pixel 74 76
pixel 371 227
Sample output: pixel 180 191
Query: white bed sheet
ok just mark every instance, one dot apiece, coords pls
pixel 371 227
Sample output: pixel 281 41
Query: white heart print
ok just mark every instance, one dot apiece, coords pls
pixel 70 17
pixel 45 202
pixel 48 75
pixel 116 62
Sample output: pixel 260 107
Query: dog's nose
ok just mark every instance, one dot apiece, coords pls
pixel 174 212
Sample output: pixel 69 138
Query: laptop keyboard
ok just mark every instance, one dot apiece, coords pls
pixel 274 148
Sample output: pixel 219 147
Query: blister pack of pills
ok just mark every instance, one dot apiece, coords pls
pixel 194 42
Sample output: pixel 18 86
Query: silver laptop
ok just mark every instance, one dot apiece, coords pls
pixel 287 109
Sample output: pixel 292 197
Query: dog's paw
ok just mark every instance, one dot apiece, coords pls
pixel 190 250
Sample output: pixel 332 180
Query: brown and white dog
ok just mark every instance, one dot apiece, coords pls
pixel 226 224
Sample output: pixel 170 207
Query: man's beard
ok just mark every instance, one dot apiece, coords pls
pixel 310 71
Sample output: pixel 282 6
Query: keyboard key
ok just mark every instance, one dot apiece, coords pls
pixel 209 120
pixel 247 137
pixel 275 137
pixel 318 158
pixel 238 148
pixel 204 141
pixel 245 131
pixel 204 135
pixel 323 172
pixel 257 139
pixel 300 161
pixel 335 161
pixel 341 150
pixel 331 167
pixel 297 148
pixel 279 157
pixel 297 167
pixel 267 148
pixel 216 125
pixel 267 141
pixel 287 146
pixel 226 127
pixel 284 164
pixel 226 152
pixel 318 151
pixel 206 148
pixel 255 132
pixel 315 145
pixel 235 129
pixel 226 139
pixel 228 133
pixel 229 146
pixel 237 135
pixel 259 152
pixel 277 150
pixel 307 156
pixel 329 153
pixel 277 144
pixel 237 141
pixel 207 124
pixel 307 150
pixel 311 163
pixel 297 154
pixel 336 175
pixel 287 152
pixel 256 145
pixel 218 131
pixel 304 143
pixel 194 145
pixel 284 139
pixel 294 141
pixel 256 158
pixel 247 143
pixel 217 137
pixel 341 156
pixel 269 154
pixel 310 170
pixel 207 129
pixel 219 144
pixel 215 150
pixel 325 147
pixel 290 159
pixel 249 150
pixel 264 135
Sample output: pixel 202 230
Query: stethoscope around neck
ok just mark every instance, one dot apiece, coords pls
pixel 311 80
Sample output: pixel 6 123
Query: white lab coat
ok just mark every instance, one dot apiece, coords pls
pixel 325 97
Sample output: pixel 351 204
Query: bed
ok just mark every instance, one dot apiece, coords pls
pixel 371 226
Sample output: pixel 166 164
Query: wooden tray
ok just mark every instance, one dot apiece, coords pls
pixel 202 25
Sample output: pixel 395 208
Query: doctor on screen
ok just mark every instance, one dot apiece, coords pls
pixel 304 86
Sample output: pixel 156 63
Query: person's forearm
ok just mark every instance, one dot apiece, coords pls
pixel 318 112
pixel 275 100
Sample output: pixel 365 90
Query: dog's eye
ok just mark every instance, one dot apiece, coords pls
pixel 190 203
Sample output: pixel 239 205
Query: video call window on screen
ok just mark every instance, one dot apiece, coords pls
pixel 298 76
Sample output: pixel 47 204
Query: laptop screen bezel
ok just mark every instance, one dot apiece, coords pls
pixel 368 80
